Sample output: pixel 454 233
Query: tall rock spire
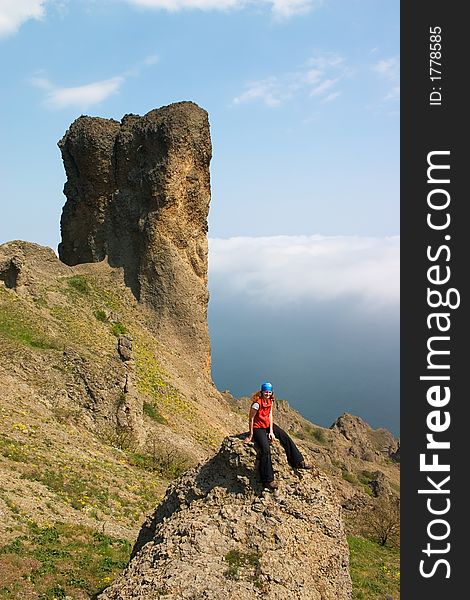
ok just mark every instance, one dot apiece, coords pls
pixel 138 194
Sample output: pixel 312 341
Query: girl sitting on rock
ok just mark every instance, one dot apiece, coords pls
pixel 263 430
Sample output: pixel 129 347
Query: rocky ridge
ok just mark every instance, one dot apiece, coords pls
pixel 362 463
pixel 217 535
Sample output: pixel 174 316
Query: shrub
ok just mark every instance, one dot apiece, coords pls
pixel 118 329
pixel 79 283
pixel 169 462
pixel 101 316
pixel 319 435
pixel 348 476
pixel 382 522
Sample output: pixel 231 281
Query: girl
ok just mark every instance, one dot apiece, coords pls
pixel 263 431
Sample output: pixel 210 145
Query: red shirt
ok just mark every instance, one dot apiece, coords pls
pixel 264 407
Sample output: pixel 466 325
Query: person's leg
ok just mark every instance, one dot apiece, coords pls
pixel 260 437
pixel 294 457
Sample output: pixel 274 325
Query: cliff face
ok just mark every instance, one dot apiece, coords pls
pixel 138 193
pixel 217 535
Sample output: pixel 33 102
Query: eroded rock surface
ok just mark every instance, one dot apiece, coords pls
pixel 366 443
pixel 218 535
pixel 138 193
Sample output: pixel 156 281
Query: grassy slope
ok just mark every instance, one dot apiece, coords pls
pixel 375 570
pixel 73 499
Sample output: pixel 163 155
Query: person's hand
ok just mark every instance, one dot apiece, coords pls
pixel 271 436
pixel 248 439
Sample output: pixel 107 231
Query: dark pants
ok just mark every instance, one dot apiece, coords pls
pixel 260 438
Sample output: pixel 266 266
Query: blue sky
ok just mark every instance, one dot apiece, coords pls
pixel 303 101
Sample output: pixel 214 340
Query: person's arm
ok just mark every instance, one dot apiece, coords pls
pixel 251 418
pixel 271 432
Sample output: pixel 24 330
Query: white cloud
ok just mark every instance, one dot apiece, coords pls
pixel 82 96
pixel 42 83
pixel 394 93
pixel 150 60
pixel 287 8
pixel 388 69
pixel 281 270
pixel 323 87
pixel 281 9
pixel 312 75
pixel 174 5
pixel 13 13
pixel 89 94
pixel 331 97
pixel 325 60
pixel 319 74
pixel 269 90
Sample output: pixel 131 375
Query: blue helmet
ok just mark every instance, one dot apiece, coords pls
pixel 266 386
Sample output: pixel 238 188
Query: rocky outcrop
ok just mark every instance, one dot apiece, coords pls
pixel 366 443
pixel 103 387
pixel 25 265
pixel 217 535
pixel 138 194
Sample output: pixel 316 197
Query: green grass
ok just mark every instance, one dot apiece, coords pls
pixel 12 449
pixel 73 489
pixel 79 283
pixel 97 486
pixel 151 411
pixel 17 326
pixel 59 560
pixel 152 382
pixel 238 560
pixel 348 476
pixel 319 435
pixel 118 329
pixel 315 434
pixel 374 569
pixel 101 316
pixel 40 302
pixel 365 477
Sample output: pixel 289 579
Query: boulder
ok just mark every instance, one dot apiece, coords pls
pixel 217 535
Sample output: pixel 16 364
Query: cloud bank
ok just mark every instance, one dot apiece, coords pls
pixel 317 315
pixel 280 270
